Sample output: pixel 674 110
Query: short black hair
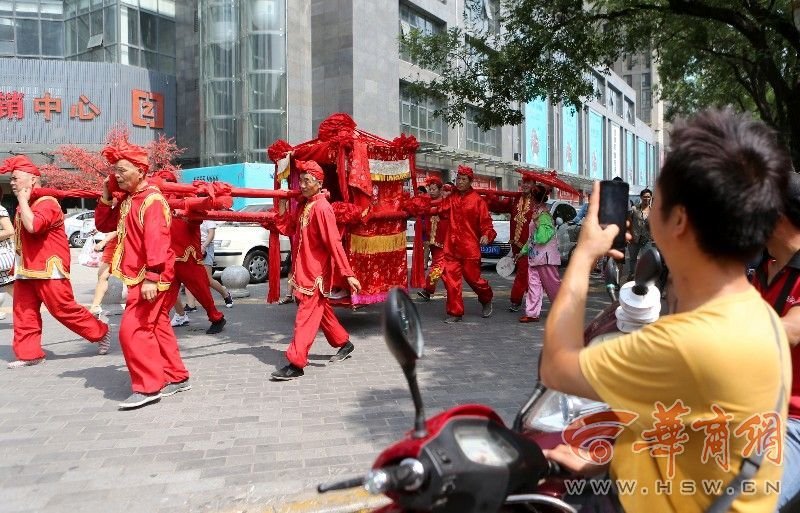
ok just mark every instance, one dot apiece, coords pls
pixel 422 189
pixel 645 191
pixel 730 164
pixel 616 179
pixel 791 201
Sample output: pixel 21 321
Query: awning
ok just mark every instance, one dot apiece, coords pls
pixel 457 156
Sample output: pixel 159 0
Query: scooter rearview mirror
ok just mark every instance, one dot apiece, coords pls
pixel 403 333
pixel 402 328
pixel 648 269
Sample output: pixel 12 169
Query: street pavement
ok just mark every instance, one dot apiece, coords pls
pixel 238 441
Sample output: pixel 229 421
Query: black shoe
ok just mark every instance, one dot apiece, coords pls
pixel 423 295
pixel 216 326
pixel 228 301
pixel 287 373
pixel 187 308
pixel 343 354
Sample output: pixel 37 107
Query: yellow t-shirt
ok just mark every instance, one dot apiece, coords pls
pixel 723 353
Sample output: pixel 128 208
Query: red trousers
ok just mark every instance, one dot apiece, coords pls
pixel 313 313
pixel 436 269
pixel 195 277
pixel 59 301
pixel 454 268
pixel 520 286
pixel 148 342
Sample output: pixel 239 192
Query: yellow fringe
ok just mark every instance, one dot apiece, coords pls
pixel 284 175
pixel 377 243
pixel 389 178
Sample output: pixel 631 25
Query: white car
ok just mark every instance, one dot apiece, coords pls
pixel 247 244
pixel 74 224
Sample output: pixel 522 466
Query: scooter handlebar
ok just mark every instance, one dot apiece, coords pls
pixel 341 485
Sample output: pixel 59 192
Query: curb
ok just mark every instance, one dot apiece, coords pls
pixel 346 501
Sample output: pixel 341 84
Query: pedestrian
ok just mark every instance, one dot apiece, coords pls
pixel 191 273
pixel 468 226
pixel 521 209
pixel 543 257
pixel 6 256
pixel 317 254
pixel 146 265
pixel 688 368
pixel 207 232
pixel 436 230
pixel 638 217
pixel 107 246
pixel 777 278
pixel 42 269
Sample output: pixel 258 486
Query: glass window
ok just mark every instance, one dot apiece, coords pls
pixel 265 129
pixel 130 26
pixel 220 61
pixel 52 10
pixel 166 64
pixel 149 29
pixel 417 118
pixel 28 37
pixel 149 60
pixel 129 55
pixel 27 9
pixel 645 80
pixel 482 16
pixel 7 48
pixel 411 19
pixel 150 5
pixel 221 96
pixel 167 8
pixel 166 36
pixel 267 91
pixel 83 32
pixel 221 24
pixel 72 36
pixel 222 136
pixel 6 7
pixel 110 26
pixel 83 6
pixel 266 15
pixel 483 141
pixel 6 29
pixel 52 38
pixel 267 51
pixel 111 53
pixel 97 22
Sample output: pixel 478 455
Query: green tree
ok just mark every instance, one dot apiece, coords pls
pixel 708 52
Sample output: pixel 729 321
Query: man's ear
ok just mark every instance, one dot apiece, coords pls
pixel 679 220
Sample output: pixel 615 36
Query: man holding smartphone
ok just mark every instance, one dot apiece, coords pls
pixel 688 366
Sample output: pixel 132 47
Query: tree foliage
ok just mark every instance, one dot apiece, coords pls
pixel 708 52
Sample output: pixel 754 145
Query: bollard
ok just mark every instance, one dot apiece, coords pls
pixel 235 278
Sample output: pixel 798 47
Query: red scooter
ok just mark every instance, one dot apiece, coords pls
pixel 466 460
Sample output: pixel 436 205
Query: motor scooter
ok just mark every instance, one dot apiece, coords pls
pixel 465 459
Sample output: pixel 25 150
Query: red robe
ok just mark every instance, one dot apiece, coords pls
pixel 189 268
pixel 144 252
pixel 437 232
pixel 317 254
pixel 521 210
pixel 39 254
pixel 468 220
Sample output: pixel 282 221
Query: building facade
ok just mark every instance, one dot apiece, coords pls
pixel 229 77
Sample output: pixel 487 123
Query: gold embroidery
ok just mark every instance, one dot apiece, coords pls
pixel 51 263
pixel 189 253
pixel 377 243
pixel 434 228
pixel 523 206
pixel 304 217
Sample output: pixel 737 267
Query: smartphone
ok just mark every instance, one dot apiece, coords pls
pixel 614 208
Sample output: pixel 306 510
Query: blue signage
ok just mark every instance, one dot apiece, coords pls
pixel 537 149
pixel 596 155
pixel 251 175
pixel 570 139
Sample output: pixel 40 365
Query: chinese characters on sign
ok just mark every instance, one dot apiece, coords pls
pixel 590 436
pixel 147 108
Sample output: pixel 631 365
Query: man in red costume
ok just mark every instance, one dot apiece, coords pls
pixel 468 225
pixel 42 269
pixel 521 210
pixel 435 229
pixel 189 268
pixel 318 250
pixel 144 261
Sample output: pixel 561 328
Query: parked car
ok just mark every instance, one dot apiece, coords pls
pixel 247 244
pixel 74 223
pixel 500 247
